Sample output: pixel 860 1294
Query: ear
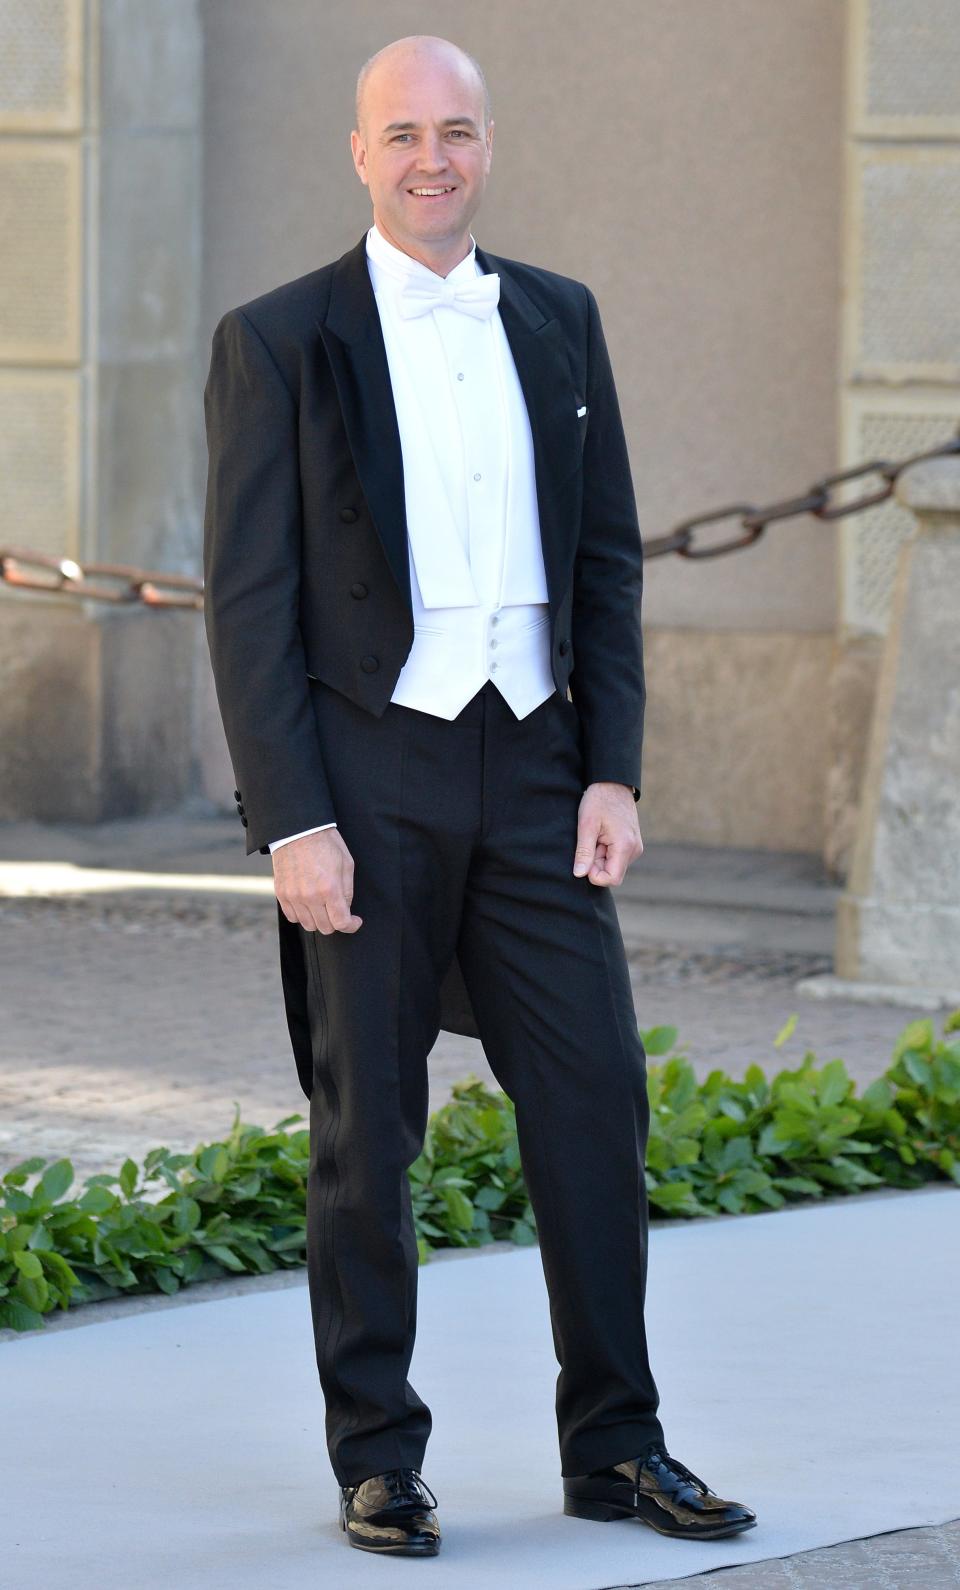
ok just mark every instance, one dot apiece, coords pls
pixel 359 153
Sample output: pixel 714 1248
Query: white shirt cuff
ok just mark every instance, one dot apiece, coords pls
pixel 274 844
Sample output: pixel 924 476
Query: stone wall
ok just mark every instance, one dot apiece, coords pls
pixel 99 395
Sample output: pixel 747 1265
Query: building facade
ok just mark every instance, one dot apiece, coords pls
pixel 764 199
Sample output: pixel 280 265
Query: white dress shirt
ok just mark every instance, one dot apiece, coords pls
pixel 477 580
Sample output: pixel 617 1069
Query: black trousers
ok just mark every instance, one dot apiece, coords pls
pixel 463 834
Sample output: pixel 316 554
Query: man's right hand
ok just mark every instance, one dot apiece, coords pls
pixel 313 880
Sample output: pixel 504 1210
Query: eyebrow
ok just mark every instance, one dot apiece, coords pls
pixel 411 126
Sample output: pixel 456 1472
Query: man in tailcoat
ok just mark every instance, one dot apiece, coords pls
pixel 423 574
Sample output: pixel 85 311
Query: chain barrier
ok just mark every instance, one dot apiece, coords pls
pixel 98 582
pixel 820 500
pixel 118 582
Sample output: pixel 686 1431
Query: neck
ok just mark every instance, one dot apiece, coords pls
pixel 440 256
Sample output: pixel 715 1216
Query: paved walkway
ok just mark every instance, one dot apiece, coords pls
pixel 140 988
pixel 810 1450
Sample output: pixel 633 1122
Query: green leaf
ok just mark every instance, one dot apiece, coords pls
pixel 946 1073
pixel 786 1031
pixel 878 1096
pixel 846 1173
pixel 671 1195
pixel 771 1140
pixel 214 1162
pixel 33 1290
pixel 55 1180
pixel 225 1256
pixel 450 1176
pixel 755 1082
pixel 834 1083
pixel 28 1264
pixel 733 1109
pixel 736 1151
pixel 799 1184
pixel 917 1068
pixel 18 1174
pixel 918 1035
pixel 459 1208
pixel 523 1234
pixel 187 1215
pixel 17 1316
pixel 128 1176
pixel 659 1040
pixel 59 1272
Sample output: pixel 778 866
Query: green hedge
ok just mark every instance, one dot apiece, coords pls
pixel 716 1146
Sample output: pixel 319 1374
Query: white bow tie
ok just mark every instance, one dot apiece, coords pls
pixel 478 298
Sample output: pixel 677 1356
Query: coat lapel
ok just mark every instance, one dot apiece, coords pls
pixel 540 354
pixel 353 340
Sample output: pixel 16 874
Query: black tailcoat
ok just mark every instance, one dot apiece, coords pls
pixel 305 541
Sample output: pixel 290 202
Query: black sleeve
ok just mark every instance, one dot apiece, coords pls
pixel 251 562
pixel 607 683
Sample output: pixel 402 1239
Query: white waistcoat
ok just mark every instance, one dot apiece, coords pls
pixel 477 580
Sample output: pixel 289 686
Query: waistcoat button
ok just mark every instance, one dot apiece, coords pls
pixel 369 664
pixel 358 590
pixel 564 647
pixel 348 515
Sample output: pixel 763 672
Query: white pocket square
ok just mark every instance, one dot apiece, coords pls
pixel 581 412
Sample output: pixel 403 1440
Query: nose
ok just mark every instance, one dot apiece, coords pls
pixel 433 154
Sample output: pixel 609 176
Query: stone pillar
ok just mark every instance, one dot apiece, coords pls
pixel 900 363
pixel 100 408
pixel 898 922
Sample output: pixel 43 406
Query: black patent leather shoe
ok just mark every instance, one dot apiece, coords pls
pixel 660 1492
pixel 391 1512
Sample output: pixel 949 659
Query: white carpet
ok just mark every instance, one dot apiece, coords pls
pixel 807 1364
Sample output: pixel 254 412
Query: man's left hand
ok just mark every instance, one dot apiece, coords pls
pixel 608 834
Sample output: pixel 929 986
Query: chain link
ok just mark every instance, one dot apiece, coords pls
pixel 822 501
pixel 118 582
pixel 99 582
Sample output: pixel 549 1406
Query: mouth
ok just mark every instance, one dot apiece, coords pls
pixel 433 194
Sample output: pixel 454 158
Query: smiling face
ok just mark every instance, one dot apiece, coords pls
pixel 423 150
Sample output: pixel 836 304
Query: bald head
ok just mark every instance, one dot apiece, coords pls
pixel 415 52
pixel 422 146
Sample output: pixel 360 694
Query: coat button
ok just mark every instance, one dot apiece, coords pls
pixel 358 590
pixel 244 821
pixel 564 647
pixel 236 795
pixel 349 515
pixel 369 664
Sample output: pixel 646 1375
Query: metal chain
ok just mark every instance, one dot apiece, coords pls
pixel 118 582
pixel 99 582
pixel 819 501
